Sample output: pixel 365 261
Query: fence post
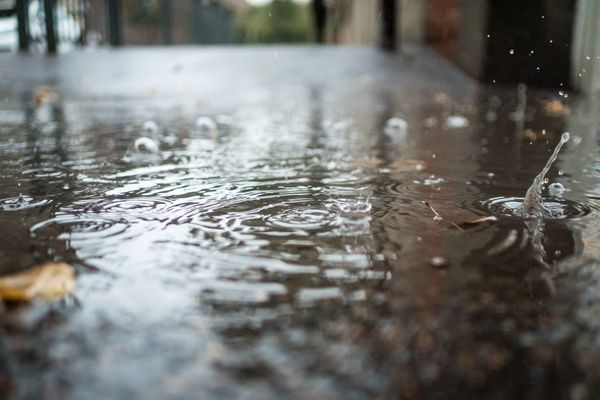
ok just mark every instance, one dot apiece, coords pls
pixel 114 22
pixel 166 23
pixel 388 26
pixel 51 38
pixel 23 24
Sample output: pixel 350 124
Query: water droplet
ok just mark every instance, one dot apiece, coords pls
pixel 556 189
pixel 511 52
pixel 457 121
pixel 150 128
pixel 439 262
pixel 206 124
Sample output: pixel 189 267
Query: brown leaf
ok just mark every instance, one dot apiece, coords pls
pixel 44 94
pixel 556 107
pixel 487 218
pixel 463 225
pixel 47 281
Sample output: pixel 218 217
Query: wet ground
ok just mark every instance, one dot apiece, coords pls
pixel 288 252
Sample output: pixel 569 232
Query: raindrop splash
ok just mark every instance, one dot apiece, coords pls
pixel 533 204
pixel 396 128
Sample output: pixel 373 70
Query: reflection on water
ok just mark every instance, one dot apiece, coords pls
pixel 282 248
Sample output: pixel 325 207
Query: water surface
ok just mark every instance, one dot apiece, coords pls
pixel 287 253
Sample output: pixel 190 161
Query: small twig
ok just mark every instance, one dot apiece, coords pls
pixel 440 217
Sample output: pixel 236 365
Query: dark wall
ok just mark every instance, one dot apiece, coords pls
pixel 544 26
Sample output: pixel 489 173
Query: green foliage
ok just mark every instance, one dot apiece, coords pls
pixel 142 11
pixel 281 21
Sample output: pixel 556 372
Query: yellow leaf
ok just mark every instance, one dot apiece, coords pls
pixel 556 107
pixel 48 281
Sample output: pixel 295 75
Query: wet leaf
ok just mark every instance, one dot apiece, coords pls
pixel 44 94
pixel 556 107
pixel 487 218
pixel 48 281
pixel 463 225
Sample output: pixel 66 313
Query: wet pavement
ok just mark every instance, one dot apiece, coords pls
pixel 278 244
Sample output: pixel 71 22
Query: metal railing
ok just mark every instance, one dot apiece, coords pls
pixel 54 24
pixel 50 23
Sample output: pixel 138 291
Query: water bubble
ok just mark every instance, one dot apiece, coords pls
pixel 511 52
pixel 556 189
pixel 150 128
pixel 396 127
pixel 457 121
pixel 145 145
pixel 206 124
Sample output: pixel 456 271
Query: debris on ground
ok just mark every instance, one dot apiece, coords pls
pixel 48 281
pixel 556 107
pixel 42 95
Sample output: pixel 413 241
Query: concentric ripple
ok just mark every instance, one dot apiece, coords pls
pixel 21 203
pixel 555 208
pixel 304 218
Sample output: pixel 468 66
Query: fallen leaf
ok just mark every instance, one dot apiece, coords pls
pixel 439 217
pixel 556 107
pixel 463 225
pixel 44 94
pixel 487 218
pixel 47 281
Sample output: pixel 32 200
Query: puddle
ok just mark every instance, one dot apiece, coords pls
pixel 275 242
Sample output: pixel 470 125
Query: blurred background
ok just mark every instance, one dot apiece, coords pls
pixel 550 43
